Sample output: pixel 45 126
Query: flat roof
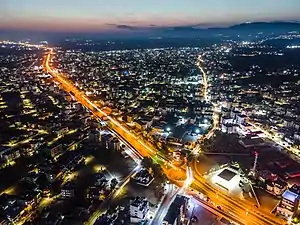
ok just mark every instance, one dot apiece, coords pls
pixel 174 209
pixel 291 196
pixel 227 174
pixel 252 141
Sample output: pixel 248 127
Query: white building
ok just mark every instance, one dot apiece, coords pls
pixel 297 136
pixel 139 208
pixel 229 128
pixel 226 120
pixel 240 119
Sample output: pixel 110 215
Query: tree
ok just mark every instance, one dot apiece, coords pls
pixel 158 173
pixel 42 181
pixel 218 133
pixel 159 181
pixel 147 162
pixel 205 145
pixel 159 176
pixel 159 191
pixel 113 183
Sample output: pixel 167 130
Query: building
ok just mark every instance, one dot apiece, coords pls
pixel 9 154
pixel 249 142
pixel 139 208
pixel 296 136
pixel 234 114
pixel 240 119
pixel 141 124
pixel 227 179
pixel 50 171
pixel 105 139
pixel 93 193
pixel 129 118
pixel 56 150
pixel 226 120
pixel 68 190
pixel 114 144
pixel 62 131
pixel 289 204
pixel 143 177
pixel 276 187
pixel 30 198
pixel 11 210
pixel 229 128
pixel 176 211
pixel 94 136
pixel 13 214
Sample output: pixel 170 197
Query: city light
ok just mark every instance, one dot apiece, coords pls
pixel 96 116
pixel 141 145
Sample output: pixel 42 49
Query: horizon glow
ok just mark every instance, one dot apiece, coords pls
pixel 114 15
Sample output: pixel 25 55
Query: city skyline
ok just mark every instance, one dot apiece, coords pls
pixel 116 16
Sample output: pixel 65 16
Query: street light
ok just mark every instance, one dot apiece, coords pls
pixel 197 131
pixel 168 129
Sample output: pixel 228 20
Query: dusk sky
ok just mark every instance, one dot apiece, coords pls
pixel 95 15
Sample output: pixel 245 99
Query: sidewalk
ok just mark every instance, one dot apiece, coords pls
pixel 163 205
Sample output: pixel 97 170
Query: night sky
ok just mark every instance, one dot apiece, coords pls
pixel 92 15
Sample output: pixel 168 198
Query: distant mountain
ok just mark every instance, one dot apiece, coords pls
pixel 267 26
pixel 239 29
pixel 195 31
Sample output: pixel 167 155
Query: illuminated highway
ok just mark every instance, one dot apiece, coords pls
pixel 216 110
pixel 240 209
pixel 204 78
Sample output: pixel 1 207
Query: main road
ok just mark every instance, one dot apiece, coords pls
pixel 243 210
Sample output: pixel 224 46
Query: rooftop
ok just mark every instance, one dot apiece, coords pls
pixel 174 209
pixel 227 174
pixel 247 141
pixel 139 202
pixel 291 196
